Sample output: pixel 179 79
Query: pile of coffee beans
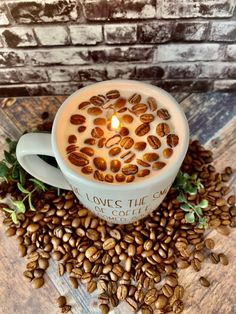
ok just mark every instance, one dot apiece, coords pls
pixel 103 154
pixel 137 263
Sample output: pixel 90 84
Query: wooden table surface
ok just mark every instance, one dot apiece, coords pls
pixel 212 119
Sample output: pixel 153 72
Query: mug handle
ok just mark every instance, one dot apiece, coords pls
pixel 28 147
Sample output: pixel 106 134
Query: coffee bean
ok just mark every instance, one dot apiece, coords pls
pixel 162 129
pixel 101 142
pixel 143 173
pixel 126 142
pixel 122 292
pixel 196 264
pixel 140 146
pixel 33 227
pixel 127 118
pixel 152 104
pixel 22 250
pixel 158 165
pixel 204 282
pixel 87 151
pixel 214 258
pixel 37 283
pixel 109 178
pixel 81 128
pixel 104 308
pixel 43 263
pixel 11 231
pixel 57 255
pixel 71 148
pixel 72 139
pixel 61 301
pixel 167 290
pixel 112 141
pixel 28 275
pixel 113 94
pixel 87 170
pixel 151 296
pixel 179 292
pixel 153 141
pixel 78 159
pixel 98 175
pixel 97 100
pixel 115 165
pixel 127 156
pixel 167 152
pixel 147 118
pixel 38 273
pixel 94 111
pixel 90 141
pixel 139 296
pixel 178 306
pixel 109 244
pixel 171 280
pixel 223 259
pixel 123 131
pixel 146 309
pixel 142 163
pixel 114 151
pixel 135 98
pixel 139 109
pixel 172 140
pixel 161 302
pixel 130 178
pixel 223 230
pixel 129 169
pixel 84 104
pixel 233 211
pixel 150 157
pixel 97 132
pixel 77 119
pixel 90 251
pixel 142 129
pixel 120 103
pixel 132 303
pixel 74 282
pixel 100 163
pixel 163 114
pixel 99 121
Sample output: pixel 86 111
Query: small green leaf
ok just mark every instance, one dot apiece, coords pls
pixel 191 189
pixel 186 175
pixel 9 158
pixel 190 217
pixel 198 210
pixel 203 203
pixel 22 175
pixel 21 188
pixel 3 169
pixel 8 210
pixel 14 217
pixel 15 172
pixel 38 184
pixel 203 223
pixel 185 207
pixel 181 198
pixel 194 177
pixel 31 206
pixel 12 146
pixel 20 206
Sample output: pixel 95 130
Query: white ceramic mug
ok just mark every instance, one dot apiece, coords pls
pixel 120 203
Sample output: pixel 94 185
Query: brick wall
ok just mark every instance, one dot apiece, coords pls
pixel 57 46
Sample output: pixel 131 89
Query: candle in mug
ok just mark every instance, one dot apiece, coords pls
pixel 119 137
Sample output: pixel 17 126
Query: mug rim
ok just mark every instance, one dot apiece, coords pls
pixel 170 169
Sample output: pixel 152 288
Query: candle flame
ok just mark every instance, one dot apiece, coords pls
pixel 115 122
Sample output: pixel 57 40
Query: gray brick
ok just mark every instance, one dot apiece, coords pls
pixel 183 85
pixel 231 52
pixel 182 70
pixel 121 54
pixel 155 32
pixel 106 10
pixel 9 76
pixel 58 56
pixel 85 34
pixel 124 71
pixel 225 85
pixel 191 8
pixel 4 20
pixel 218 70
pixel 13 90
pixel 223 31
pixel 191 31
pixel 187 52
pixel 9 58
pixel 15 37
pixel 52 35
pixel 81 73
pixel 38 11
pixel 149 71
pixel 120 33
pixel 54 88
pixel 32 75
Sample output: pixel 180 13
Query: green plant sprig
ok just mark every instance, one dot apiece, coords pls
pixel 187 184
